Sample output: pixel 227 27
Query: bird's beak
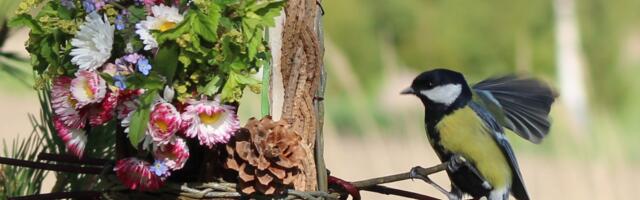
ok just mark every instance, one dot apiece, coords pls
pixel 409 90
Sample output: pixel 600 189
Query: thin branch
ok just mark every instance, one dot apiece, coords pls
pixel 399 177
pixel 392 191
pixel 52 167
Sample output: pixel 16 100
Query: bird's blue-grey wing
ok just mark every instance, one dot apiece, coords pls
pixel 518 103
pixel 517 186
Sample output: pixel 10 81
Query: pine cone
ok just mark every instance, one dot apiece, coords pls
pixel 268 157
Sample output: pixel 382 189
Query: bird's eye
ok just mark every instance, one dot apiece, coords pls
pixel 429 84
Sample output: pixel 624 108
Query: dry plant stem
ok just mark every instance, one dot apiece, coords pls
pixel 310 195
pixel 399 177
pixel 318 101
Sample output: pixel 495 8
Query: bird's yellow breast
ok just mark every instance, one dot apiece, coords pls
pixel 463 132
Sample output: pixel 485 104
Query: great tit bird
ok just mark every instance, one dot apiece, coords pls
pixel 466 123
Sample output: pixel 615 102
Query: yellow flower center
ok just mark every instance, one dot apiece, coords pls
pixel 162 126
pixel 72 101
pixel 167 25
pixel 88 90
pixel 210 119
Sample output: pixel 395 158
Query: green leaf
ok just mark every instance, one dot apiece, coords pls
pixel 206 26
pixel 137 14
pixel 268 11
pixel 28 21
pixel 254 44
pixel 238 66
pixel 264 96
pixel 151 82
pixel 225 2
pixel 213 86
pixel 140 118
pixel 48 51
pixel 64 13
pixel 108 78
pixel 232 90
pixel 166 61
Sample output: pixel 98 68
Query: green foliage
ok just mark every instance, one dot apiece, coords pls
pixel 20 181
pixel 166 61
pixel 233 87
pixel 140 118
pixel 206 24
pixel 228 35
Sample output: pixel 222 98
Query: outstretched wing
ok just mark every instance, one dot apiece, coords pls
pixel 518 103
pixel 517 185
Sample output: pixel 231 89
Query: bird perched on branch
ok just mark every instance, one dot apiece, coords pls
pixel 465 127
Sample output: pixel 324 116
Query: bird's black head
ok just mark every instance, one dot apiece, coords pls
pixel 441 90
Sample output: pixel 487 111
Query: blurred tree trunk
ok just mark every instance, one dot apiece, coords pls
pixel 297 81
pixel 570 63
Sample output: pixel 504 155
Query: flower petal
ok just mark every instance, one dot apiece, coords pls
pixel 136 174
pixel 74 139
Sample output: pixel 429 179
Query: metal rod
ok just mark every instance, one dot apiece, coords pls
pixel 51 167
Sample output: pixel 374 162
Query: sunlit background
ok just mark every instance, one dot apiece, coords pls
pixel 589 50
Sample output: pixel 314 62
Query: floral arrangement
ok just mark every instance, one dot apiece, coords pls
pixel 165 71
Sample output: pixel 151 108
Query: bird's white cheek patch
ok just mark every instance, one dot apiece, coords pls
pixel 444 94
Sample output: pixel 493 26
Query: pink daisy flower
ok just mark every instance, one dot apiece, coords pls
pixel 164 122
pixel 64 105
pixel 74 139
pixel 103 112
pixel 87 88
pixel 211 121
pixel 174 154
pixel 136 174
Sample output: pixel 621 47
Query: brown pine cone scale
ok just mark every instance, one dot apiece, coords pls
pixel 268 157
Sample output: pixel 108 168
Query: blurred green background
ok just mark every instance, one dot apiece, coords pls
pixel 374 48
pixel 378 38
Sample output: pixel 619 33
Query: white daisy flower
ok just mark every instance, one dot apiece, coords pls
pixel 93 43
pixel 164 18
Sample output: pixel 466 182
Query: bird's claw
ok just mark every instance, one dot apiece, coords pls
pixel 455 162
pixel 415 175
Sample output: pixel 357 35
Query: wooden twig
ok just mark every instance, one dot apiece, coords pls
pixel 399 177
pixel 310 195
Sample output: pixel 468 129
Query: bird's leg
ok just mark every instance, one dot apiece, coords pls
pixel 415 175
pixel 456 161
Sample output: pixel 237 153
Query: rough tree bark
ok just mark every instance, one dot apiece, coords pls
pixel 297 79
